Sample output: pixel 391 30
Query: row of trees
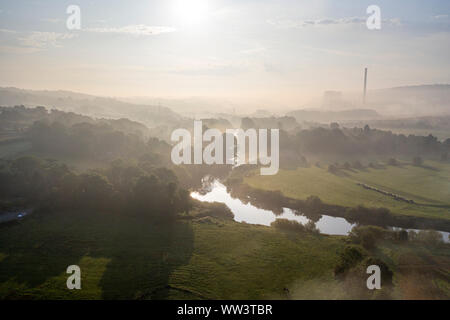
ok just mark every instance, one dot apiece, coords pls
pixel 140 189
pixel 84 140
pixel 358 141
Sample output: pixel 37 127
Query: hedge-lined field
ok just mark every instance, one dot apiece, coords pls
pixel 428 186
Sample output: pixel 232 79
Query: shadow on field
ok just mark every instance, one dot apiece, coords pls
pixel 34 254
pixel 140 268
pixel 142 254
pixel 430 168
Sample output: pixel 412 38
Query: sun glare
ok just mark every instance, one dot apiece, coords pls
pixel 192 11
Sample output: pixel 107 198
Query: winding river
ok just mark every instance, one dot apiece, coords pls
pixel 217 192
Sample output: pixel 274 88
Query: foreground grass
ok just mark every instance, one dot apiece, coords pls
pixel 421 271
pixel 124 257
pixel 130 258
pixel 428 186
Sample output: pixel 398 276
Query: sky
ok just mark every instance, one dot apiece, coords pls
pixel 281 52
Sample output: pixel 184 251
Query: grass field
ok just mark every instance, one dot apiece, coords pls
pixel 125 257
pixel 420 271
pixel 440 134
pixel 428 186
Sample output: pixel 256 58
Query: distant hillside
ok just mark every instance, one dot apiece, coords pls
pixel 423 100
pixel 198 107
pixel 98 107
pixel 18 119
pixel 330 116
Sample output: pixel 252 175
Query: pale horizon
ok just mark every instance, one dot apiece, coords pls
pixel 248 52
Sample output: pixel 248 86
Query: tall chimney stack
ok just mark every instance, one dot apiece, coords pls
pixel 365 86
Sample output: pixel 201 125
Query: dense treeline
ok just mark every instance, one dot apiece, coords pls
pixel 284 123
pixel 140 189
pixel 65 135
pixel 20 118
pixel 77 134
pixel 85 140
pixel 366 141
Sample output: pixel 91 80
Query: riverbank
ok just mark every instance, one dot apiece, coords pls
pixel 427 186
pixel 313 208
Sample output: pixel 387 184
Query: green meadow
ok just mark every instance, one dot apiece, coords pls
pixel 125 257
pixel 428 186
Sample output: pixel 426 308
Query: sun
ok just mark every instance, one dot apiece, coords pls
pixel 192 12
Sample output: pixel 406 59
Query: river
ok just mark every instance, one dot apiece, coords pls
pixel 217 192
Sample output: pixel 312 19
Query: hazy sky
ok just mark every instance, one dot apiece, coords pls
pixel 244 50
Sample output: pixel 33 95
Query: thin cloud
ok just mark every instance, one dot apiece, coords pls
pixel 27 42
pixel 7 31
pixel 42 40
pixel 254 50
pixel 17 50
pixel 135 30
pixel 297 24
pixel 441 16
pixel 51 20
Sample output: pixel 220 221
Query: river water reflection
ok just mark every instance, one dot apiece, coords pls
pixel 253 215
pixel 217 192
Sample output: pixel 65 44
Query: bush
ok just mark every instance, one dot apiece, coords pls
pixel 311 227
pixel 288 225
pixel 402 235
pixel 430 237
pixel 418 161
pixel 392 162
pixel 332 168
pixel 357 165
pixel 313 203
pixel 213 209
pixel 367 236
pixel 386 273
pixel 368 216
pixel 349 258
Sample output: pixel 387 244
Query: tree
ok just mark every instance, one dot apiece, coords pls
pixel 332 168
pixel 334 125
pixel 402 235
pixel 94 190
pixel 431 237
pixel 418 161
pixel 310 226
pixel 386 273
pixel 349 258
pixel 357 165
pixel 392 162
